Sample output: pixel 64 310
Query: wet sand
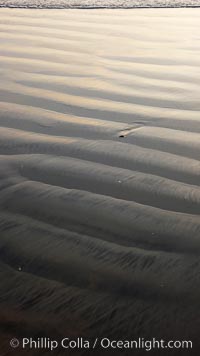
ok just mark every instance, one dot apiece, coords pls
pixel 99 178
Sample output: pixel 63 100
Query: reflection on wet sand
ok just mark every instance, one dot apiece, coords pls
pixel 99 189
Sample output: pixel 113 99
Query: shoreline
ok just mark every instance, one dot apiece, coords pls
pixel 100 7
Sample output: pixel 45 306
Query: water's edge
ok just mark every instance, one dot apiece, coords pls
pixel 99 4
pixel 98 7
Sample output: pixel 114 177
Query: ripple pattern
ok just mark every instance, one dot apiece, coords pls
pixel 100 173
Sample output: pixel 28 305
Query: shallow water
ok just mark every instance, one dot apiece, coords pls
pixel 99 3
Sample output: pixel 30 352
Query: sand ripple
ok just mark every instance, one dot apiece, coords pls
pixel 100 172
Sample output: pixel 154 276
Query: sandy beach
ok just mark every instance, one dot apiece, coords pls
pixel 100 174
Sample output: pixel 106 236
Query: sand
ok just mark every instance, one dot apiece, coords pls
pixel 99 178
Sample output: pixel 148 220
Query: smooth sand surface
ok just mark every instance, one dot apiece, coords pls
pixel 100 173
